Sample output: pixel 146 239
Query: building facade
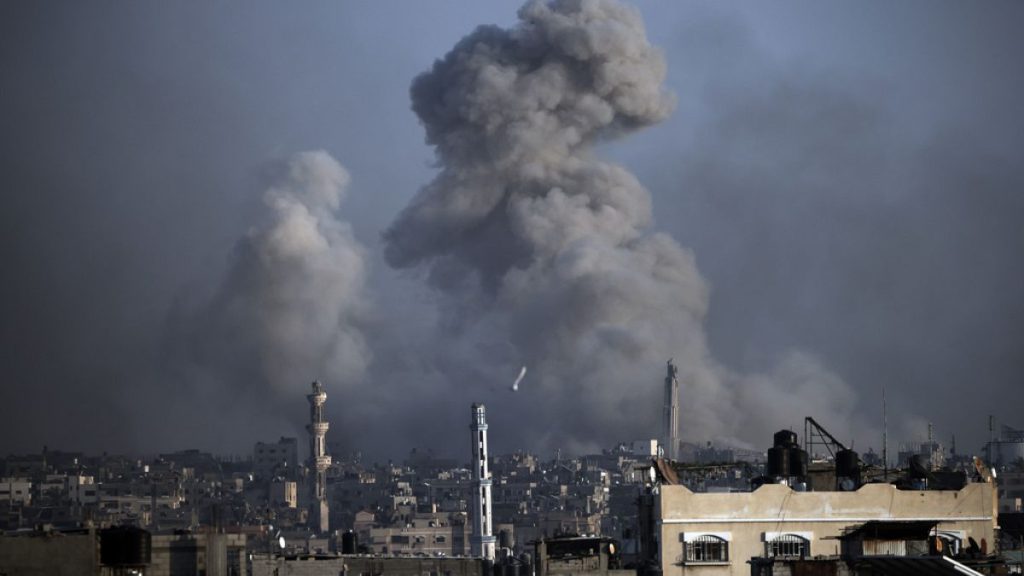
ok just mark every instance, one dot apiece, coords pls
pixel 719 533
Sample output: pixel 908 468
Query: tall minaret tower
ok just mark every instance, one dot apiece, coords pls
pixel 482 540
pixel 670 437
pixel 318 458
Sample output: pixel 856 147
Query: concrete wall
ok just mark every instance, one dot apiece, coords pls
pixel 53 554
pixel 191 554
pixel 366 566
pixel 745 518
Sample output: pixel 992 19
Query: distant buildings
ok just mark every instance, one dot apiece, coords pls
pixel 1007 449
pixel 280 458
pixel 716 510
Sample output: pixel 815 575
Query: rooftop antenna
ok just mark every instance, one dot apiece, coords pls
pixel 991 438
pixel 885 438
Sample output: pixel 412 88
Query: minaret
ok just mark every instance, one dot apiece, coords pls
pixel 670 437
pixel 482 541
pixel 318 458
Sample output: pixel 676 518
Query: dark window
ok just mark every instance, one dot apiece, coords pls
pixel 787 545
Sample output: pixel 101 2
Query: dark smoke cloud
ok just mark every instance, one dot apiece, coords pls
pixel 545 250
pixel 848 180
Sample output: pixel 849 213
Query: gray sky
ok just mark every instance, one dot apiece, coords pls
pixel 847 177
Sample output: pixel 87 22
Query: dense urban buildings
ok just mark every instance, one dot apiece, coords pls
pixel 627 509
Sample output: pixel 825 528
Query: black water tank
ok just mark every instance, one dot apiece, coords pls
pixel 919 467
pixel 785 438
pixel 847 464
pixel 125 546
pixel 349 542
pixel 797 462
pixel 778 462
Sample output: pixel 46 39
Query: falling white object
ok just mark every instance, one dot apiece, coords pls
pixel 515 385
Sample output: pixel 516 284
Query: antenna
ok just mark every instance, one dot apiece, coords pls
pixel 991 438
pixel 885 438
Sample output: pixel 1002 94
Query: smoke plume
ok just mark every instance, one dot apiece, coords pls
pixel 292 304
pixel 542 251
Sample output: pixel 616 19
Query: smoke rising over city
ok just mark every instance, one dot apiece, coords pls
pixel 293 298
pixel 551 245
pixel 603 187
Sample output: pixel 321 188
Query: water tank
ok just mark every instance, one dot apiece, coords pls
pixel 349 543
pixel 785 438
pixel 797 462
pixel 847 464
pixel 125 546
pixel 778 462
pixel 918 467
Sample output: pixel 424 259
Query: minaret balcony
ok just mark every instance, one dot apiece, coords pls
pixel 318 428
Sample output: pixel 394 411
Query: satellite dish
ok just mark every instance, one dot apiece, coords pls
pixel 280 542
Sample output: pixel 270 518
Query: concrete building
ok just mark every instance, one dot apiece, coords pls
pixel 16 491
pixel 670 436
pixel 1007 449
pixel 280 458
pixel 209 553
pixel 569 556
pixel 284 494
pixel 319 461
pixel 90 552
pixel 263 565
pixel 439 538
pixel 69 553
pixel 482 541
pixel 1011 491
pixel 719 533
pixel 82 490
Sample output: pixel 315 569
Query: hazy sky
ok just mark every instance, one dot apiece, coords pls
pixel 837 186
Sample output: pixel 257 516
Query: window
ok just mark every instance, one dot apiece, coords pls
pixel 786 545
pixel 706 548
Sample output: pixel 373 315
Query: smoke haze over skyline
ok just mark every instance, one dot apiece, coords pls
pixel 207 207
